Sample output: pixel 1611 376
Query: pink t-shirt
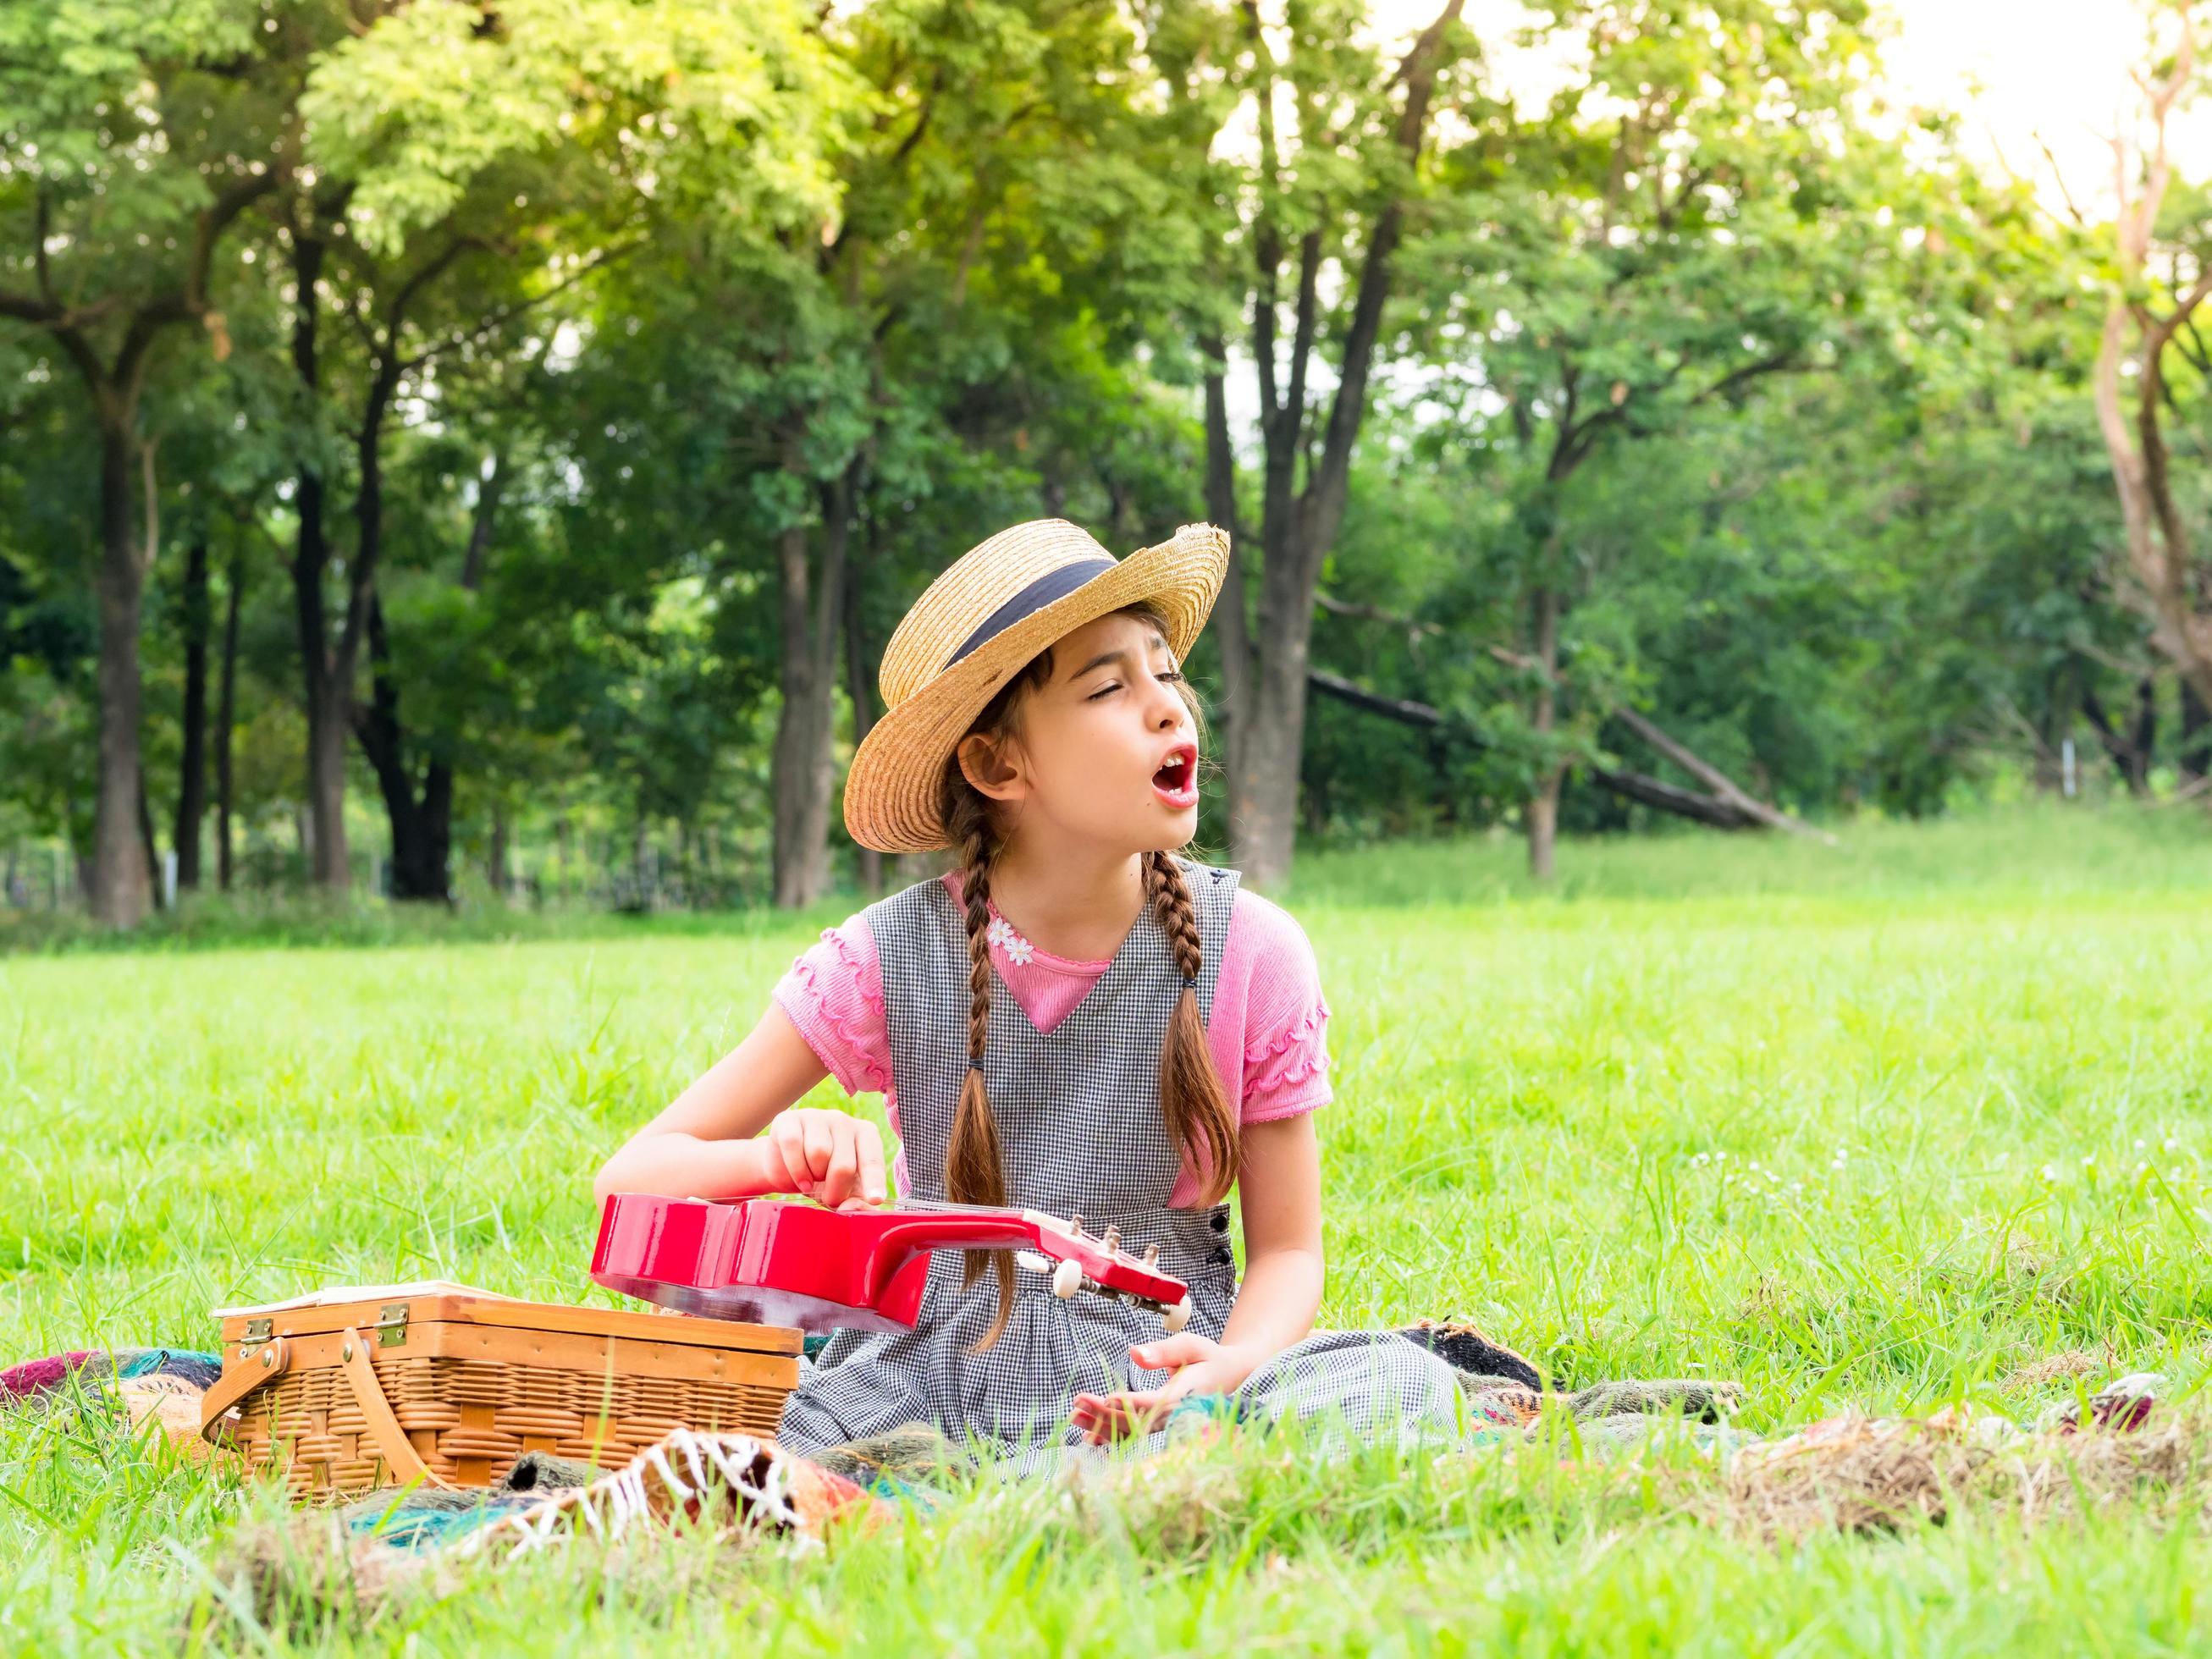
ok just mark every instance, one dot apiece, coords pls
pixel 1266 1030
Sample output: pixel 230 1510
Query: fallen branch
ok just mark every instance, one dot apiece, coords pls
pixel 1647 790
pixel 1672 798
pixel 1724 788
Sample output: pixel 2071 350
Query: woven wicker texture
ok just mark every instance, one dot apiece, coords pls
pixel 468 1419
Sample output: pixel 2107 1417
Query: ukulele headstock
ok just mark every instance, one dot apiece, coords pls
pixel 1097 1264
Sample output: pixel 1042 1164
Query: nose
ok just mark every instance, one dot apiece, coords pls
pixel 1168 711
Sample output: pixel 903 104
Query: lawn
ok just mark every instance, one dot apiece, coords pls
pixel 1874 1125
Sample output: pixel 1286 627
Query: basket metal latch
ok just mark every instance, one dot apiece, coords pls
pixel 258 1330
pixel 391 1326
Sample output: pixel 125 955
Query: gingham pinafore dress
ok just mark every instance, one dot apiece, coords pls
pixel 1082 1133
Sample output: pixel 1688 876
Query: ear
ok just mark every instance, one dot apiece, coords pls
pixel 998 769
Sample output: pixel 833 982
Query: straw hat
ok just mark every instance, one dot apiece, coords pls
pixel 995 609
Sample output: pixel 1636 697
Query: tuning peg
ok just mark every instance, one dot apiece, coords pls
pixel 1176 1317
pixel 1075 1222
pixel 1113 1239
pixel 1067 1280
pixel 1151 1256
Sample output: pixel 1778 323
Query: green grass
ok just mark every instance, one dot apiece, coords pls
pixel 1874 1125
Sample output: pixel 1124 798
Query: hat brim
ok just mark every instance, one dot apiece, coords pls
pixel 891 789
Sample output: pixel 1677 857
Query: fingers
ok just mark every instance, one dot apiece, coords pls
pixel 829 1156
pixel 1108 1417
pixel 855 1171
pixel 843 1173
pixel 787 1139
pixel 1174 1353
pixel 873 1186
pixel 821 1143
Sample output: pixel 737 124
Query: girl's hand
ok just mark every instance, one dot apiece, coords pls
pixel 1201 1366
pixel 830 1156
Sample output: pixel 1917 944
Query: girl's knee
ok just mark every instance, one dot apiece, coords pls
pixel 1369 1375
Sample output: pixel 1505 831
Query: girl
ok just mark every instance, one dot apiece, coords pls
pixel 1072 1020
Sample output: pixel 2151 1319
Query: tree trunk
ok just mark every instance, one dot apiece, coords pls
pixel 496 871
pixel 226 719
pixel 2131 748
pixel 2160 555
pixel 191 771
pixel 1231 626
pixel 329 694
pixel 122 879
pixel 421 818
pixel 146 837
pixel 1264 796
pixel 2195 753
pixel 803 766
pixel 1541 816
pixel 1298 526
pixel 422 823
pixel 860 678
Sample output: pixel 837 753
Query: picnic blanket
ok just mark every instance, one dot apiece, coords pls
pixel 732 1483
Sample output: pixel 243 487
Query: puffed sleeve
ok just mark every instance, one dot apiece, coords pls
pixel 834 994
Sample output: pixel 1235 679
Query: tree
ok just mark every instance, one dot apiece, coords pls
pixel 1695 213
pixel 2143 334
pixel 985 182
pixel 1313 224
pixel 132 140
pixel 440 219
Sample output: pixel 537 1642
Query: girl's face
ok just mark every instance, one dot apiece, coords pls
pixel 1104 751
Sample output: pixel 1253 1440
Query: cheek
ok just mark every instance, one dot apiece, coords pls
pixel 1086 756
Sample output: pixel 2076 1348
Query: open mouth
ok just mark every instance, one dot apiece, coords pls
pixel 1176 781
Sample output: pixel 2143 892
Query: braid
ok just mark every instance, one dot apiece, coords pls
pixel 1171 904
pixel 977 851
pixel 975 1166
pixel 1192 1100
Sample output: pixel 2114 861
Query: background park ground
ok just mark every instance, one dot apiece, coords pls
pixel 1881 1125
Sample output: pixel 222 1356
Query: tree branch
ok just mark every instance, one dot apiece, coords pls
pixel 1414 629
pixel 1417 69
pixel 409 291
pixel 29 308
pixel 506 315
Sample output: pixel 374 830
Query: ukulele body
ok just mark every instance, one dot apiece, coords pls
pixel 775 1261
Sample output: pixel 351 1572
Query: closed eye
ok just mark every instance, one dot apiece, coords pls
pixel 1167 676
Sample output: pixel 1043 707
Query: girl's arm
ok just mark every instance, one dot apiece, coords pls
pixel 1279 1196
pixel 1279 1191
pixel 707 1143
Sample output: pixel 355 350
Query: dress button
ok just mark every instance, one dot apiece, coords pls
pixel 1224 1255
pixel 1218 1221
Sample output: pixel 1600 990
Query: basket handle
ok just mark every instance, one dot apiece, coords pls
pixel 399 1454
pixel 239 1381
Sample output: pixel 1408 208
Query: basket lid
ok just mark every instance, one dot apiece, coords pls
pixel 429 1301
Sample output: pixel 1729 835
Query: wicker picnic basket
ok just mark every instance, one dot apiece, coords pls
pixel 346 1392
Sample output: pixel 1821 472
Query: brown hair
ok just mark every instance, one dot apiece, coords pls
pixel 1192 1099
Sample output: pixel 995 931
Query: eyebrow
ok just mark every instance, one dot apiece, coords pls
pixel 1118 654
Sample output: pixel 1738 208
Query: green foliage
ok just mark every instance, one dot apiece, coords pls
pixel 1779 400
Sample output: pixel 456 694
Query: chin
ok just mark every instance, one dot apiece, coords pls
pixel 1182 829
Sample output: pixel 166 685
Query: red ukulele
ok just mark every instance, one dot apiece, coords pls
pixel 772 1261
